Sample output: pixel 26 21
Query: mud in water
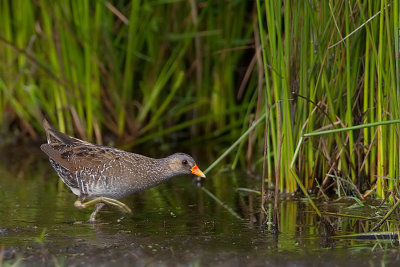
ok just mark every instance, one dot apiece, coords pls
pixel 177 223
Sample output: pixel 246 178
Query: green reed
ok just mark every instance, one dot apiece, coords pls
pixel 349 81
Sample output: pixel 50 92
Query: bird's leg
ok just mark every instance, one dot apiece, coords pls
pixel 105 200
pixel 97 207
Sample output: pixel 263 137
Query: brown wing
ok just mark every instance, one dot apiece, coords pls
pixel 79 155
pixel 73 158
pixel 60 147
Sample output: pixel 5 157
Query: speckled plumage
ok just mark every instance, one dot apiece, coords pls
pixel 92 171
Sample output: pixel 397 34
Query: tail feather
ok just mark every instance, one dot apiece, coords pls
pixel 54 136
pixel 48 129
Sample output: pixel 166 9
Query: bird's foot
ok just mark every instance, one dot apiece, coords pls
pixel 99 203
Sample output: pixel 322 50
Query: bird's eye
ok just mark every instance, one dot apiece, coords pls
pixel 184 162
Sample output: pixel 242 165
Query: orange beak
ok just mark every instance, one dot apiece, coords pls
pixel 196 171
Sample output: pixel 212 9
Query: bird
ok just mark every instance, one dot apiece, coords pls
pixel 101 175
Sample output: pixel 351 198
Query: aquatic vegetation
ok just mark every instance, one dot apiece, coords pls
pixel 156 72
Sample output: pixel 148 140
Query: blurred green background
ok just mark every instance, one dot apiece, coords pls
pixel 135 69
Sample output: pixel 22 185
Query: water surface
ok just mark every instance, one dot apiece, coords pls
pixel 175 223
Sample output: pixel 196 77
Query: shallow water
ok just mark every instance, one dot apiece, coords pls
pixel 176 223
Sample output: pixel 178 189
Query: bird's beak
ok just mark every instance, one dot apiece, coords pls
pixel 196 171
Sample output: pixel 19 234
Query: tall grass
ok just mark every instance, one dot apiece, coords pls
pixel 313 64
pixel 159 71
